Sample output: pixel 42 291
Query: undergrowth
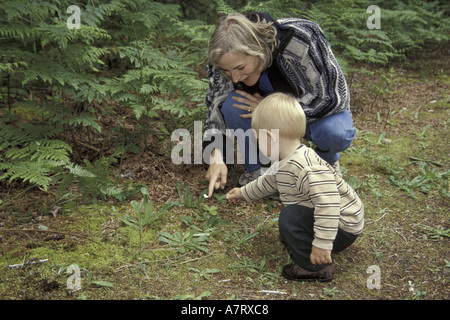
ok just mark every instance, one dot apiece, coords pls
pixel 76 104
pixel 60 86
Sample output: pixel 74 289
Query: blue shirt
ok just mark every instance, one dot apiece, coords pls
pixel 264 84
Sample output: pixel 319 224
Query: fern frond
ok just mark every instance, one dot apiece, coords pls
pixel 40 150
pixel 78 171
pixel 85 119
pixel 34 172
pixel 24 133
pixel 94 15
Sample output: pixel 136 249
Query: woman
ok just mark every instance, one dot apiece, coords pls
pixel 255 55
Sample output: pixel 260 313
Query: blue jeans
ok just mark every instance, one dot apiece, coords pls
pixel 331 134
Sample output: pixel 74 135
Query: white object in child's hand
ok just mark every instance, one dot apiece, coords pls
pixel 205 196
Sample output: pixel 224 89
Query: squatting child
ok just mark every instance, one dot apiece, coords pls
pixel 322 214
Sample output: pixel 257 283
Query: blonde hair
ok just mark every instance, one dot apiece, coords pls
pixel 280 111
pixel 236 34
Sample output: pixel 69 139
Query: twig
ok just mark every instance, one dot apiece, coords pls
pixel 270 291
pixel 195 259
pixel 89 146
pixel 401 236
pixel 387 211
pixel 52 231
pixel 20 265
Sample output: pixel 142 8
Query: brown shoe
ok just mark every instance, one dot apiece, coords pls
pixel 294 272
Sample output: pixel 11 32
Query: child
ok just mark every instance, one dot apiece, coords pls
pixel 322 213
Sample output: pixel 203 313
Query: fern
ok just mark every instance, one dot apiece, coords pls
pixel 97 184
pixel 405 25
pixel 31 156
pixel 84 119
pixel 34 172
pixel 24 133
pixel 39 150
pixel 149 57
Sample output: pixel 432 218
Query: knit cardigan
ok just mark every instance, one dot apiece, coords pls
pixel 303 66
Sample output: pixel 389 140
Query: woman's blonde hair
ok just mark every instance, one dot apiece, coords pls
pixel 236 34
pixel 280 111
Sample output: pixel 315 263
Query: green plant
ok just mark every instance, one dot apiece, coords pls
pixel 447 264
pixel 250 265
pixel 187 241
pixel 331 292
pixel 258 267
pixel 31 153
pixel 212 210
pixel 187 199
pixel 102 284
pixel 239 238
pixel 95 181
pixel 404 26
pixel 438 232
pixel 146 215
pixel 191 296
pixel 205 273
pixel 426 180
pixel 61 82
pixel 422 133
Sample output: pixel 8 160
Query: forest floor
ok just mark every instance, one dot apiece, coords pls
pixel 214 250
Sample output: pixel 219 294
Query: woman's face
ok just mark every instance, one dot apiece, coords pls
pixel 241 68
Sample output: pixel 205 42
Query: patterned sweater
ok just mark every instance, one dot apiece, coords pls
pixel 303 66
pixel 305 179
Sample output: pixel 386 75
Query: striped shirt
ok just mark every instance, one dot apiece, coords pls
pixel 305 179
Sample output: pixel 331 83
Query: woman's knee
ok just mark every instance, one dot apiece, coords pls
pixel 341 138
pixel 333 133
pixel 231 114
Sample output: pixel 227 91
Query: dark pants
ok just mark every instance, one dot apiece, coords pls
pixel 296 225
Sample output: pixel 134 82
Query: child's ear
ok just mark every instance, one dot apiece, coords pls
pixel 273 136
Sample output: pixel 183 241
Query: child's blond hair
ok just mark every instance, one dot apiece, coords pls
pixel 283 112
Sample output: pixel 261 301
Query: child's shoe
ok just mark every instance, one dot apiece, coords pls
pixel 294 272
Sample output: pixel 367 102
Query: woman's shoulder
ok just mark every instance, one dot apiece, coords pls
pixel 296 22
pixel 300 25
